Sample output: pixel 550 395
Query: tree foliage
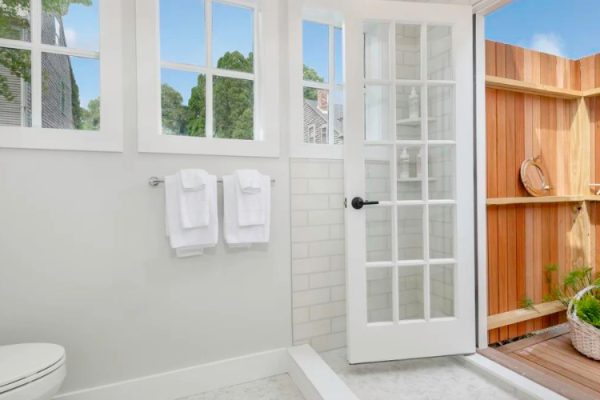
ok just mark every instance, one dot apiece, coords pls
pixel 90 117
pixel 14 24
pixel 310 74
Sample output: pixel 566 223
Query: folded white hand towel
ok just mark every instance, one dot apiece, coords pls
pixel 193 204
pixel 251 205
pixel 192 179
pixel 248 179
pixel 190 241
pixel 244 236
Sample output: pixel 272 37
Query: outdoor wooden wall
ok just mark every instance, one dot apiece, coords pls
pixel 590 79
pixel 523 239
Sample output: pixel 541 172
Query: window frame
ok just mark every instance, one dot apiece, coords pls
pixel 265 77
pixel 313 11
pixel 109 137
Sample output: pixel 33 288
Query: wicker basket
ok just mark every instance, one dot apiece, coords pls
pixel 585 337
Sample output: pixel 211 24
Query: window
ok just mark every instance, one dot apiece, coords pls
pixel 317 72
pixel 57 29
pixel 50 75
pixel 311 133
pixel 207 81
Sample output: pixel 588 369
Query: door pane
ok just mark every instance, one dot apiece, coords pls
pixel 410 233
pixel 378 163
pixel 408 51
pixel 377 50
pixel 377 113
pixel 409 175
pixel 442 290
pixel 439 53
pixel 408 113
pixel 441 172
pixel 410 293
pixel 379 294
pixel 441 231
pixel 440 105
pixel 379 233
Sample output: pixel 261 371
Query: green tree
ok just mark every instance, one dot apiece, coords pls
pixel 196 110
pixel 76 109
pixel 310 74
pixel 233 101
pixel 90 117
pixel 13 22
pixel 173 112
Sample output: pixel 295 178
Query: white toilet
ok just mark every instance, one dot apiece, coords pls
pixel 32 371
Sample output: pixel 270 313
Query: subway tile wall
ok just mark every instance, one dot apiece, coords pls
pixel 318 264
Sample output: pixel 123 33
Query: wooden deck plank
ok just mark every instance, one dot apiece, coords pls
pixel 551 364
pixel 547 378
pixel 572 365
pixel 521 344
pixel 568 354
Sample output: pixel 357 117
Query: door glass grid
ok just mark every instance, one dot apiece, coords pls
pixel 410 168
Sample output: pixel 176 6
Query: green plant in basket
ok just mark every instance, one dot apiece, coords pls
pixel 588 310
pixel 588 307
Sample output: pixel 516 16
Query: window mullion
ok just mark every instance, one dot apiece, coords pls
pixel 209 128
pixel 36 63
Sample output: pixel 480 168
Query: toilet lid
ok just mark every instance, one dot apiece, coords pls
pixel 19 361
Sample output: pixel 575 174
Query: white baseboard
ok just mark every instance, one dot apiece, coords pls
pixel 314 378
pixel 189 381
pixel 522 387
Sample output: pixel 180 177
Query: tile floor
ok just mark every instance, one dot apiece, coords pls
pixel 280 387
pixel 426 379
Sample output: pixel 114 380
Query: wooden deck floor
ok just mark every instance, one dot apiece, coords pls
pixel 550 360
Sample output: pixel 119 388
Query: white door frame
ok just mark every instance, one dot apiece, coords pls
pixel 480 10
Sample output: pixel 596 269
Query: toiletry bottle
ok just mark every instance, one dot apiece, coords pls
pixel 413 100
pixel 404 164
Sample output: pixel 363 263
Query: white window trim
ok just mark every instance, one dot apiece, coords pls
pixel 266 87
pixel 110 135
pixel 319 11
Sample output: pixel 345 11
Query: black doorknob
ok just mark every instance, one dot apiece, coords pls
pixel 358 203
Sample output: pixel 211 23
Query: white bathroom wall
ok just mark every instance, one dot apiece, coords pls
pixel 318 265
pixel 84 261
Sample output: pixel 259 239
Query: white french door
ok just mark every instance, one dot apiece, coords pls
pixel 409 149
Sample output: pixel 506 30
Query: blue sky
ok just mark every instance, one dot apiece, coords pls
pixel 183 37
pixel 315 49
pixel 567 28
pixel 81 26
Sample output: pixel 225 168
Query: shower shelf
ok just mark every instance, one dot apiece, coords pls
pixel 412 121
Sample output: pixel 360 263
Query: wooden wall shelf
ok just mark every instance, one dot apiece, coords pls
pixel 512 85
pixel 501 201
pixel 522 314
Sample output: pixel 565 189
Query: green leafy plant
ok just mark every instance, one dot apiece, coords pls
pixel 588 309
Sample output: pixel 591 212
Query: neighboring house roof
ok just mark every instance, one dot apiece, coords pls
pixel 338 113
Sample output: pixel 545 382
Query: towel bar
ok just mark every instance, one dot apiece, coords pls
pixel 154 181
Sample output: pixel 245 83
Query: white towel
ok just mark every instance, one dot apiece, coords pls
pixel 248 179
pixel 251 205
pixel 193 241
pixel 244 236
pixel 192 179
pixel 193 198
